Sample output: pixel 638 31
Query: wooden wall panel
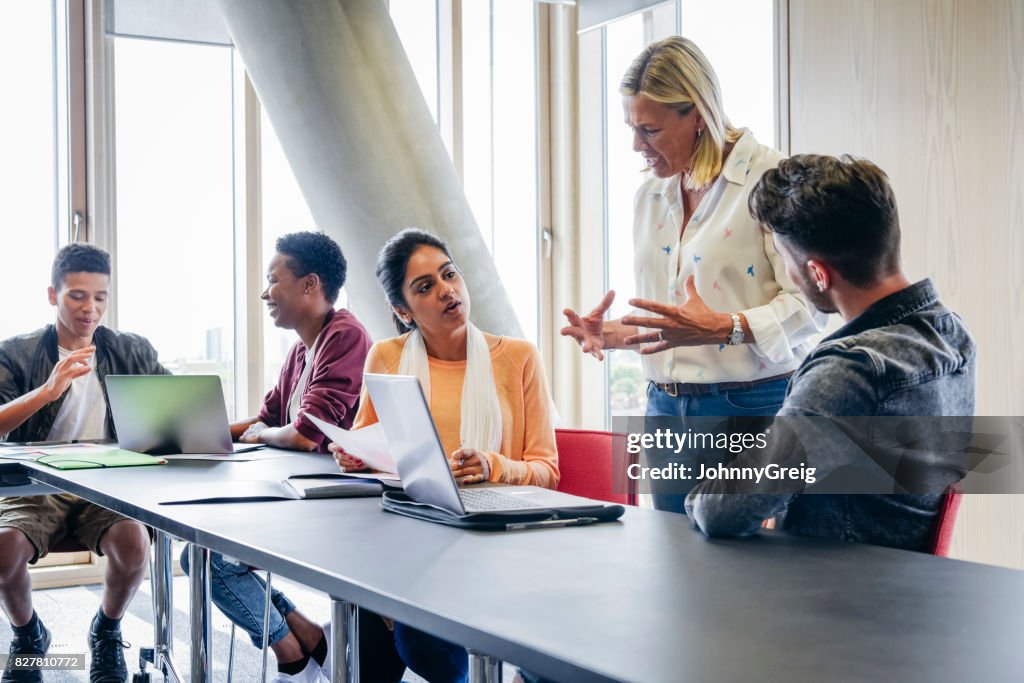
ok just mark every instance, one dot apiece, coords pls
pixel 933 92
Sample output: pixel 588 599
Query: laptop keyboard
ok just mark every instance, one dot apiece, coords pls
pixel 489 499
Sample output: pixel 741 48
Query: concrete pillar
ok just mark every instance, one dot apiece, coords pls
pixel 341 95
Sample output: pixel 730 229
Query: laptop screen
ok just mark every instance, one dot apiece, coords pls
pixel 413 440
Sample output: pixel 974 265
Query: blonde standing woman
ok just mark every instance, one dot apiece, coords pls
pixel 718 323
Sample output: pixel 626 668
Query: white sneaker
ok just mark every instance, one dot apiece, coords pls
pixel 311 674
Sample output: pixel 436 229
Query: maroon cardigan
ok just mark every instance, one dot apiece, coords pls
pixel 332 393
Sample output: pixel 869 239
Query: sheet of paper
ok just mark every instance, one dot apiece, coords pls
pixel 368 444
pixel 32 453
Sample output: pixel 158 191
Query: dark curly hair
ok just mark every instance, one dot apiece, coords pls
pixel 842 211
pixel 315 252
pixel 392 261
pixel 78 258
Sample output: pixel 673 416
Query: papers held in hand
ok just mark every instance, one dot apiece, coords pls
pixel 368 444
pixel 332 486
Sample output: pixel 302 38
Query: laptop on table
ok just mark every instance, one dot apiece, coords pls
pixel 431 491
pixel 170 414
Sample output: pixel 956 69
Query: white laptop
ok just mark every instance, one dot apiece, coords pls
pixel 423 464
pixel 165 414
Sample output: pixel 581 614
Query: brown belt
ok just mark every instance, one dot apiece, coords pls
pixel 694 389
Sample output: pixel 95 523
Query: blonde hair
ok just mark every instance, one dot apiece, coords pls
pixel 675 72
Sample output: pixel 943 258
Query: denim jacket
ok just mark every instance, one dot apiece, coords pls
pixel 906 355
pixel 27 360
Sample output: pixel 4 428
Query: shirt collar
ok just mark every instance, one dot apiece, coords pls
pixel 736 166
pixel 890 310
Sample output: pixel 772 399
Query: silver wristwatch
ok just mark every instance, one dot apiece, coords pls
pixel 736 336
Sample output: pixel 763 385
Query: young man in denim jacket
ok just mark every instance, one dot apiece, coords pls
pixel 901 353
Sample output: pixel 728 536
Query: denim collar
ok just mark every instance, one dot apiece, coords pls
pixel 890 310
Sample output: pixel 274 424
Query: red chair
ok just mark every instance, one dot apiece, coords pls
pixel 586 467
pixel 942 535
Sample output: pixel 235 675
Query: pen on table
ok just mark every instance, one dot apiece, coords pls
pixel 550 523
pixel 64 442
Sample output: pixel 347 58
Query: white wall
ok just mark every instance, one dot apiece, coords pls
pixel 933 92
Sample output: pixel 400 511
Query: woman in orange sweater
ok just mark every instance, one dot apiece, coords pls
pixel 487 395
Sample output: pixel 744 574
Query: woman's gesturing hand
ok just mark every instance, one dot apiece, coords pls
pixel 588 330
pixel 692 323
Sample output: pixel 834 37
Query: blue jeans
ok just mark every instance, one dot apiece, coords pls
pixel 242 595
pixel 384 655
pixel 752 402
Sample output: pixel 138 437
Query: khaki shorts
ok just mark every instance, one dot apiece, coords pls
pixel 46 520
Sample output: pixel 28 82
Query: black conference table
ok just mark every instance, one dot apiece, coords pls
pixel 644 599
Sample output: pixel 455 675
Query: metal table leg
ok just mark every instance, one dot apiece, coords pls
pixel 483 668
pixel 345 633
pixel 162 572
pixel 199 612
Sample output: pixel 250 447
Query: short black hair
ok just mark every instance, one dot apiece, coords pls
pixel 315 252
pixel 393 260
pixel 78 258
pixel 842 211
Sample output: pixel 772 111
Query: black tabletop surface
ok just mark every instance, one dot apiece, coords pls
pixel 643 599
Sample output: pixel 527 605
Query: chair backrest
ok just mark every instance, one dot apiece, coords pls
pixel 585 464
pixel 942 534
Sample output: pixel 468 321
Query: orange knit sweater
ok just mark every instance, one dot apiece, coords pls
pixel 528 454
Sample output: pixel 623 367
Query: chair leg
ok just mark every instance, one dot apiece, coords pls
pixel 266 627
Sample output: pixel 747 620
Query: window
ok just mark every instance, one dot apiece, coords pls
pixel 284 211
pixel 175 191
pixel 493 136
pixel 34 163
pixel 746 74
pixel 624 39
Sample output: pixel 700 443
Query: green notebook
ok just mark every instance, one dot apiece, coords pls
pixel 72 459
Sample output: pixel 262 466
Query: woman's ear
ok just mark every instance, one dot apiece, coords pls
pixel 312 282
pixel 402 314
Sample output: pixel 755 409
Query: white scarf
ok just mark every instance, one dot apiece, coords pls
pixel 481 413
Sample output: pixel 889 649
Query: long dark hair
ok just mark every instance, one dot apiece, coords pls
pixel 392 262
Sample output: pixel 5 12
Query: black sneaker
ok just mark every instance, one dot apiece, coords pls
pixel 107 648
pixel 26 645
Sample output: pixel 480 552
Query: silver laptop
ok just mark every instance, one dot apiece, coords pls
pixel 423 464
pixel 165 414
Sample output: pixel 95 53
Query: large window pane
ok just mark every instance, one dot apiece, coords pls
pixel 499 105
pixel 515 158
pixel 743 58
pixel 624 41
pixel 284 211
pixel 175 235
pixel 29 162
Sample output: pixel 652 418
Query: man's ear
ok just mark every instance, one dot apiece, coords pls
pixel 51 293
pixel 820 274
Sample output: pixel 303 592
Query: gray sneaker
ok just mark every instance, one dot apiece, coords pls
pixel 26 645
